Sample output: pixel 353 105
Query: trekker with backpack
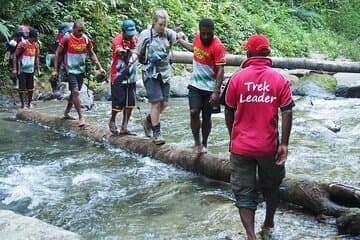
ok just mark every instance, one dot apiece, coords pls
pixel 21 33
pixel 64 29
pixel 76 46
pixel 123 77
pixel 26 59
pixel 154 52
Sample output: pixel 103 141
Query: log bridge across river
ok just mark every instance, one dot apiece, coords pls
pixel 323 199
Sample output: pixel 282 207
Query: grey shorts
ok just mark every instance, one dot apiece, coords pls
pixel 243 179
pixel 157 90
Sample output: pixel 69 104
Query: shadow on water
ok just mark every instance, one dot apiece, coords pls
pixel 102 192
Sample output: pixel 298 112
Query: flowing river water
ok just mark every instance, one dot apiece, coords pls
pixel 102 192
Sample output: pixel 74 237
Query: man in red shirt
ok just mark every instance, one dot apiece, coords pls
pixel 76 46
pixel 25 61
pixel 205 81
pixel 123 77
pixel 257 92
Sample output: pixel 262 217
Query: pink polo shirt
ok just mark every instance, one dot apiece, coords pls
pixel 257 92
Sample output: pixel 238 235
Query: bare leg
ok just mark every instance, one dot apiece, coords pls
pixel 247 217
pixel 77 103
pixel 30 95
pixel 21 95
pixel 195 128
pixel 155 111
pixel 271 206
pixel 68 108
pixel 125 120
pixel 205 129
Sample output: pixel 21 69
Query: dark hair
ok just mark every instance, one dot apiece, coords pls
pixel 207 22
pixel 78 23
pixel 33 33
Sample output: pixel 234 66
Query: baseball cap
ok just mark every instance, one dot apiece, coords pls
pixel 128 26
pixel 258 44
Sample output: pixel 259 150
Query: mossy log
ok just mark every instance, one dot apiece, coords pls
pixel 285 63
pixel 331 199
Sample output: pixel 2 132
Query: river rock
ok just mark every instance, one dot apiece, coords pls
pixel 348 85
pixel 178 86
pixel 17 227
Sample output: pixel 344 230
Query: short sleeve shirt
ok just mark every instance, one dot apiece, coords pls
pixel 257 93
pixel 118 65
pixel 205 60
pixel 27 58
pixel 76 52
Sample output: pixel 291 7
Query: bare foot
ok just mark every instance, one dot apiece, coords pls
pixel 81 121
pixel 198 149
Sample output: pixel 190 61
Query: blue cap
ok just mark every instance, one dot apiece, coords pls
pixel 128 26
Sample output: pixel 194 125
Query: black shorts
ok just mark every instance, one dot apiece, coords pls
pixel 200 99
pixel 75 81
pixel 122 95
pixel 26 82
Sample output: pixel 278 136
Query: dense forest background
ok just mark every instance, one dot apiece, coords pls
pixel 296 28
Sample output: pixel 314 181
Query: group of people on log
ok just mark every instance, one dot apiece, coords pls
pixel 252 99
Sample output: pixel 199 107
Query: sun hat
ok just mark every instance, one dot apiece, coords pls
pixel 128 26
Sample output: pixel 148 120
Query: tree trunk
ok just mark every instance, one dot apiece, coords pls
pixel 332 199
pixel 286 63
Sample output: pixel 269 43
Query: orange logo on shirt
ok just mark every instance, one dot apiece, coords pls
pixel 31 51
pixel 79 47
pixel 200 54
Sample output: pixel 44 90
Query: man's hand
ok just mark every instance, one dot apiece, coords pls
pixel 214 98
pixel 281 155
pixel 54 74
pixel 102 71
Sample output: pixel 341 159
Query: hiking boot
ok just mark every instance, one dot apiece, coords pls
pixel 147 126
pixel 157 138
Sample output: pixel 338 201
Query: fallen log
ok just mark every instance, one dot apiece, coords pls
pixel 331 199
pixel 285 63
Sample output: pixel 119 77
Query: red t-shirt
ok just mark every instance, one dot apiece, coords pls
pixel 76 52
pixel 205 60
pixel 28 56
pixel 257 92
pixel 117 64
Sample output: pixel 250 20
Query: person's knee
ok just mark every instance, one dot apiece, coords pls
pixel 75 92
pixel 194 113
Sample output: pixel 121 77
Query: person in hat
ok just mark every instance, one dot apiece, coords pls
pixel 123 77
pixel 256 93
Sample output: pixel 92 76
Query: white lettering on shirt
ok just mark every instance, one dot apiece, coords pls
pixel 260 93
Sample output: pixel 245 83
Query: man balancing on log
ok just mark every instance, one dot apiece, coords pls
pixel 75 47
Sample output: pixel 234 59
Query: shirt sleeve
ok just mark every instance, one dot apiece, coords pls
pixel 231 94
pixel 219 54
pixel 140 46
pixel 90 43
pixel 285 99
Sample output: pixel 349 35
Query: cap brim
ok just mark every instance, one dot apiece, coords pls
pixel 131 32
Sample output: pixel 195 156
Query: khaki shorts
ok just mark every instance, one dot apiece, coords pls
pixel 244 182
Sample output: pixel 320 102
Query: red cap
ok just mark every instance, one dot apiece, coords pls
pixel 258 44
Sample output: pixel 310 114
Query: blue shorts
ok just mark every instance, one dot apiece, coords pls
pixel 243 179
pixel 75 81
